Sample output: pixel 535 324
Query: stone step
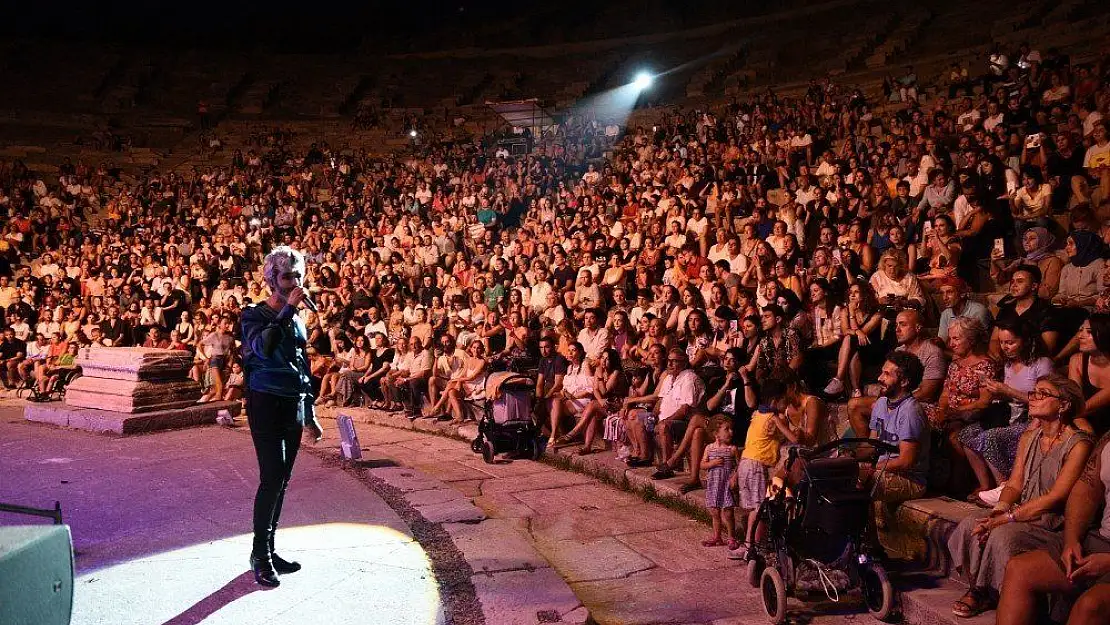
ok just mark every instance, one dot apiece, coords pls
pixel 918 531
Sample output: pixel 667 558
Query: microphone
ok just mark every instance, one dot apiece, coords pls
pixel 309 304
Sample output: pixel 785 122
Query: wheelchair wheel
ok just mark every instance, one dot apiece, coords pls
pixel 773 591
pixel 535 450
pixel 754 571
pixel 488 452
pixel 476 444
pixel 878 592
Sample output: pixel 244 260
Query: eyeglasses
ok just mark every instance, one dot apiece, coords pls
pixel 1041 394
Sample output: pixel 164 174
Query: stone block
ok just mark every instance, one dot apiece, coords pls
pixel 494 545
pixel 110 422
pixel 526 597
pixel 134 363
pixel 132 395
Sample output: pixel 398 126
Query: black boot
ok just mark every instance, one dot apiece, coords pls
pixel 263 568
pixel 281 565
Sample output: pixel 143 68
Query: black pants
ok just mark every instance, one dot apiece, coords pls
pixel 276 425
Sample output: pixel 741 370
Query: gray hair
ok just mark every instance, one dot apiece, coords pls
pixel 973 329
pixel 280 260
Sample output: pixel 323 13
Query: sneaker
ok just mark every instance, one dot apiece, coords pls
pixel 739 553
pixel 834 387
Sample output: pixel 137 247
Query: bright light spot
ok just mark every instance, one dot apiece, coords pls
pixel 412 133
pixel 351 571
pixel 643 80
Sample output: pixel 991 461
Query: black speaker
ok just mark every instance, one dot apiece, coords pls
pixel 36 575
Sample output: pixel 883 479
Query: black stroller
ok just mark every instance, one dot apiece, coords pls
pixel 506 423
pixel 818 532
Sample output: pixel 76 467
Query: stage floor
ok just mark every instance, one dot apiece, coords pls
pixel 161 528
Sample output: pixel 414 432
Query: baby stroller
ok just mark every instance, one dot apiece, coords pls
pixel 506 422
pixel 818 532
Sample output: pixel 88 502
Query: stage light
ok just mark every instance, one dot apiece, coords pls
pixel 412 133
pixel 643 80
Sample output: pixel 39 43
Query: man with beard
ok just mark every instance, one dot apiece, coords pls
pixel 279 399
pixel 897 419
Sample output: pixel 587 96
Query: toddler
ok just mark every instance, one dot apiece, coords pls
pixel 720 460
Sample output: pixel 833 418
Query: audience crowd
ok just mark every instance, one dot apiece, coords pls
pixel 938 263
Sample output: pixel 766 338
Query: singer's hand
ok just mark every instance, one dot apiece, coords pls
pixel 296 296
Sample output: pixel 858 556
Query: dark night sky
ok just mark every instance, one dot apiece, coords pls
pixel 315 26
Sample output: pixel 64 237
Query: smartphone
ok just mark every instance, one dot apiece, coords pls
pixel 733 326
pixel 926 230
pixel 999 247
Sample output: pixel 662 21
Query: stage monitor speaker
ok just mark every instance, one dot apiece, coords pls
pixel 36 575
pixel 348 438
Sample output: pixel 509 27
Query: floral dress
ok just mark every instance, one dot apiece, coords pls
pixel 963 383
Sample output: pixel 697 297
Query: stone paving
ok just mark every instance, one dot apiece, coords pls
pixel 628 560
pixel 161 535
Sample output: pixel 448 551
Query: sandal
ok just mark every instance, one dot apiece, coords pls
pixel 713 542
pixel 688 487
pixel 733 545
pixel 972 604
pixel 585 451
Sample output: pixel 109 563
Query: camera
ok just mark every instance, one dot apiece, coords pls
pixel 1034 140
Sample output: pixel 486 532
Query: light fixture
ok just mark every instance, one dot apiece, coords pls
pixel 643 80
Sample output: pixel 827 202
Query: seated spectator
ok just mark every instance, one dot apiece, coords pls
pixel 416 382
pixel 1050 457
pixel 897 419
pixel 1023 304
pixel 468 384
pixel 675 402
pixel 59 366
pixel 381 359
pixel 1024 362
pixel 863 343
pixel 909 338
pixel 1090 368
pixel 578 390
pixel 894 286
pixel 1032 204
pixel 954 295
pixel 966 401
pixel 395 378
pixel 940 252
pixel 827 317
pixel 806 414
pixel 1080 279
pixel 1072 566
pixel 233 390
pixel 1036 243
pixel 637 406
pixel 779 351
pixel 610 388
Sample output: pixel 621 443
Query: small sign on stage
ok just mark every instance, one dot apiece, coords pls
pixel 348 438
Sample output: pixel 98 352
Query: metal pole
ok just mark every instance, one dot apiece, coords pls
pixel 55 514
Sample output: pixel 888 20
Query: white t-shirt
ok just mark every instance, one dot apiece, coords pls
pixel 685 389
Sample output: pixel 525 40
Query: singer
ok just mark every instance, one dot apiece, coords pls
pixel 278 399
